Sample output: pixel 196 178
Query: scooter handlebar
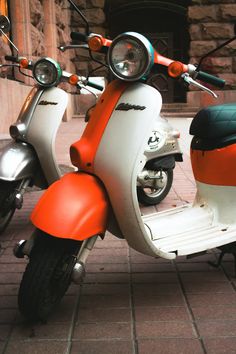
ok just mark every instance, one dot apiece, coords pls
pixel 94 85
pixel 210 79
pixel 12 58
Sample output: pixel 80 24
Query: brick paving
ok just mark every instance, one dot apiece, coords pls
pixel 129 303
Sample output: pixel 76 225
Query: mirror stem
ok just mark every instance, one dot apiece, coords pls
pixel 214 50
pixel 13 45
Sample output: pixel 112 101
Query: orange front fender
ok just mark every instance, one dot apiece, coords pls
pixel 74 207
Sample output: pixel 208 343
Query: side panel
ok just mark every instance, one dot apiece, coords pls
pixel 121 155
pixel 43 128
pixel 74 207
pixel 215 167
pixel 17 161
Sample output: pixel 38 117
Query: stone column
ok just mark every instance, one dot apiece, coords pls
pixel 50 28
pixel 21 26
pixel 21 31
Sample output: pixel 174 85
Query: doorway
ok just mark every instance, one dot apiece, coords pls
pixel 164 23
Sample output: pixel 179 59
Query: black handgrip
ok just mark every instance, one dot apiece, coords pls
pixel 77 36
pixel 12 58
pixel 210 79
pixel 94 85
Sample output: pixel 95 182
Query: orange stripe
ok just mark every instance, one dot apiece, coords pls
pixel 216 167
pixel 83 152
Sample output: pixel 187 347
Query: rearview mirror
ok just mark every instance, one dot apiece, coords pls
pixel 4 24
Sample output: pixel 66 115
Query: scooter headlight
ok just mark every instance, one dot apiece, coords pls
pixel 47 72
pixel 130 56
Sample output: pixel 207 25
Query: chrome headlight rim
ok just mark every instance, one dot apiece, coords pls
pixel 52 64
pixel 148 53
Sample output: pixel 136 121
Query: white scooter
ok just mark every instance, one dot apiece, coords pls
pixel 29 159
pixel 102 196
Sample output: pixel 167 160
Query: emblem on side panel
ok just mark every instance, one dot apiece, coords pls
pixel 45 103
pixel 128 106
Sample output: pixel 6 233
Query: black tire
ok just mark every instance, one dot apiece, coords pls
pixel 150 195
pixel 47 275
pixel 7 205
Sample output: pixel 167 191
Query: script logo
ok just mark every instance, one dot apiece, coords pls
pixel 128 106
pixel 45 103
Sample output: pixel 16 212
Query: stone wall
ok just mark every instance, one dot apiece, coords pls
pixel 212 23
pixel 94 12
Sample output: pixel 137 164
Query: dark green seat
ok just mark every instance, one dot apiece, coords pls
pixel 214 122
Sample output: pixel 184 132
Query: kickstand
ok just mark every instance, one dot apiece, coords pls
pixel 221 256
pixel 218 263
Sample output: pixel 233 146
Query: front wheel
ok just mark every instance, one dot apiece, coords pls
pixel 156 187
pixel 47 275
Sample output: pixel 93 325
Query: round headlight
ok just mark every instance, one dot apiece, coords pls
pixel 47 72
pixel 130 56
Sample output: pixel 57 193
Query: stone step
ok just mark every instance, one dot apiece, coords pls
pixel 176 110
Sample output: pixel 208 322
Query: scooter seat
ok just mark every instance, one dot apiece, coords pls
pixel 214 122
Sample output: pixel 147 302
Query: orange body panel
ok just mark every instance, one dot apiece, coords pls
pixel 82 152
pixel 216 167
pixel 74 207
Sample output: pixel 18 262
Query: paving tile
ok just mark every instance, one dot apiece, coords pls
pixel 209 287
pixel 217 328
pixel 170 346
pixel 109 252
pixel 202 277
pixel 102 347
pixel 8 302
pixel 106 289
pixel 24 331
pixel 197 266
pixel 156 289
pixel 33 347
pixel 107 268
pixel 103 331
pixel 220 345
pixel 208 299
pixel 102 301
pixel 152 267
pixel 107 278
pixel 155 329
pixel 155 278
pixel 10 278
pixel 104 315
pixel 214 312
pixel 107 259
pixel 161 313
pixel 170 299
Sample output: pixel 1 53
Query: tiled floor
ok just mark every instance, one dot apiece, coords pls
pixel 128 303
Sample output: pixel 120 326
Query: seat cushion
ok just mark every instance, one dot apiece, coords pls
pixel 214 122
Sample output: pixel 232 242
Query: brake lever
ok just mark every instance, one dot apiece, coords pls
pixel 5 65
pixel 190 81
pixel 73 46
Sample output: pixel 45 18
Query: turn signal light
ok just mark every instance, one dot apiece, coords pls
pixel 73 79
pixel 95 43
pixel 24 63
pixel 175 69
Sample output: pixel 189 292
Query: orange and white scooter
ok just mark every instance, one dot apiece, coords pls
pixel 102 194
